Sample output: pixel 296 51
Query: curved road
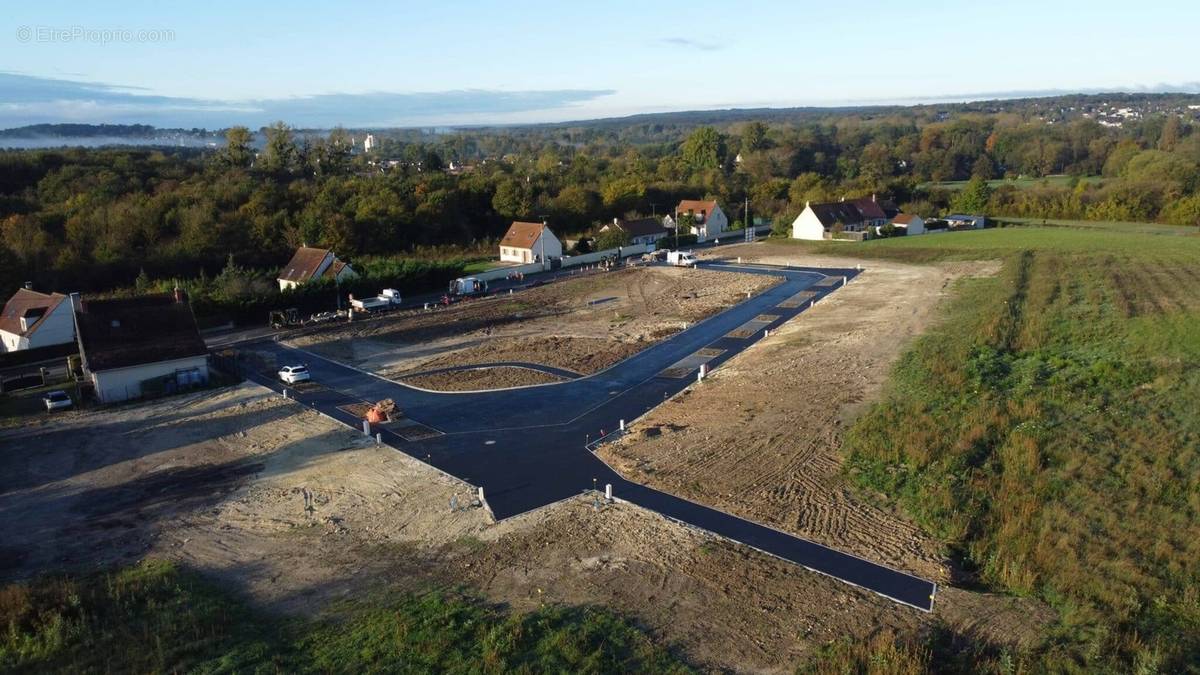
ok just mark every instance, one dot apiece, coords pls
pixel 530 446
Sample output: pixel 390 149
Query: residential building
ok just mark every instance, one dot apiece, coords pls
pixel 912 224
pixel 31 319
pixel 818 221
pixel 370 143
pixel 313 263
pixel 640 231
pixel 708 220
pixel 528 243
pixel 133 347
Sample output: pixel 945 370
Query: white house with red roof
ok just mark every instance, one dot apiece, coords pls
pixel 313 263
pixel 708 220
pixel 529 243
pixel 912 223
pixel 31 320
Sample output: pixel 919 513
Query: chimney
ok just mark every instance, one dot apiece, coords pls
pixel 616 221
pixel 29 285
pixel 807 203
pixel 76 302
pixel 872 196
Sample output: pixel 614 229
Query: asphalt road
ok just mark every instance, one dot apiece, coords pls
pixel 531 446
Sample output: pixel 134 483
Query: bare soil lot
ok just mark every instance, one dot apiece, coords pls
pixel 295 511
pixel 583 325
pixel 770 451
pixel 483 378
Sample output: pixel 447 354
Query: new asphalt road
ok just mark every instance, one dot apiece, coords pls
pixel 532 446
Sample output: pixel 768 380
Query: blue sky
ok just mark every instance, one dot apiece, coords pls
pixel 451 62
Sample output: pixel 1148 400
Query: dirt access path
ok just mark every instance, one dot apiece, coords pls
pixel 583 325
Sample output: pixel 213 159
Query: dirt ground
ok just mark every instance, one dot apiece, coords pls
pixel 773 454
pixel 482 378
pixel 583 325
pixel 294 511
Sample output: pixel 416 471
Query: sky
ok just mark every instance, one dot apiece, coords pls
pixel 377 64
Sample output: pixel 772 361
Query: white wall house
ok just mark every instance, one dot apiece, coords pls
pixel 132 347
pixel 528 243
pixel 123 384
pixel 708 220
pixel 313 263
pixel 912 224
pixel 31 320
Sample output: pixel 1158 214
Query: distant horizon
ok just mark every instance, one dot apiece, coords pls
pixel 963 99
pixel 375 64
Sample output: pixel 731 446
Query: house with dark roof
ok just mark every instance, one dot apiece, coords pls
pixel 821 221
pixel 708 220
pixel 529 243
pixel 313 263
pixel 132 347
pixel 31 319
pixel 639 231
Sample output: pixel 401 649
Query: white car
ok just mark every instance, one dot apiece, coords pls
pixel 294 374
pixel 57 400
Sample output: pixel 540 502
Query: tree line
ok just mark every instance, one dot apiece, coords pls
pixel 93 220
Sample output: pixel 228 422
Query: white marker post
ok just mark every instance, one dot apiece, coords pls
pixel 622 425
pixel 366 428
pixel 285 394
pixel 703 371
pixel 845 280
pixel 378 439
pixel 608 491
pixel 481 496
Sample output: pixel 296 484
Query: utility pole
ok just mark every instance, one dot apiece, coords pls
pixel 542 242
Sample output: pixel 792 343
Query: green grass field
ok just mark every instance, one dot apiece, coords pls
pixel 1023 182
pixel 1114 225
pixel 1048 430
pixel 477 266
pixel 155 618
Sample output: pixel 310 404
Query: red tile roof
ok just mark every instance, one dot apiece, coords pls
pixel 696 206
pixel 522 235
pixel 304 264
pixel 903 218
pixel 135 331
pixel 31 304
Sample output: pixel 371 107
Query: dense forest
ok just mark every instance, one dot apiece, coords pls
pixel 94 220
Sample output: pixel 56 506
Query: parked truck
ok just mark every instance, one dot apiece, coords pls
pixel 388 299
pixel 466 287
pixel 681 258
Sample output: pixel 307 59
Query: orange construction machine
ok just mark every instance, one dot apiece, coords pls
pixel 382 411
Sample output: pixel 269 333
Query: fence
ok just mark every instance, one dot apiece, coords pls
pixel 597 256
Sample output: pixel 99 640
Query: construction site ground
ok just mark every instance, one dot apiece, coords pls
pixel 583 325
pixel 295 511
